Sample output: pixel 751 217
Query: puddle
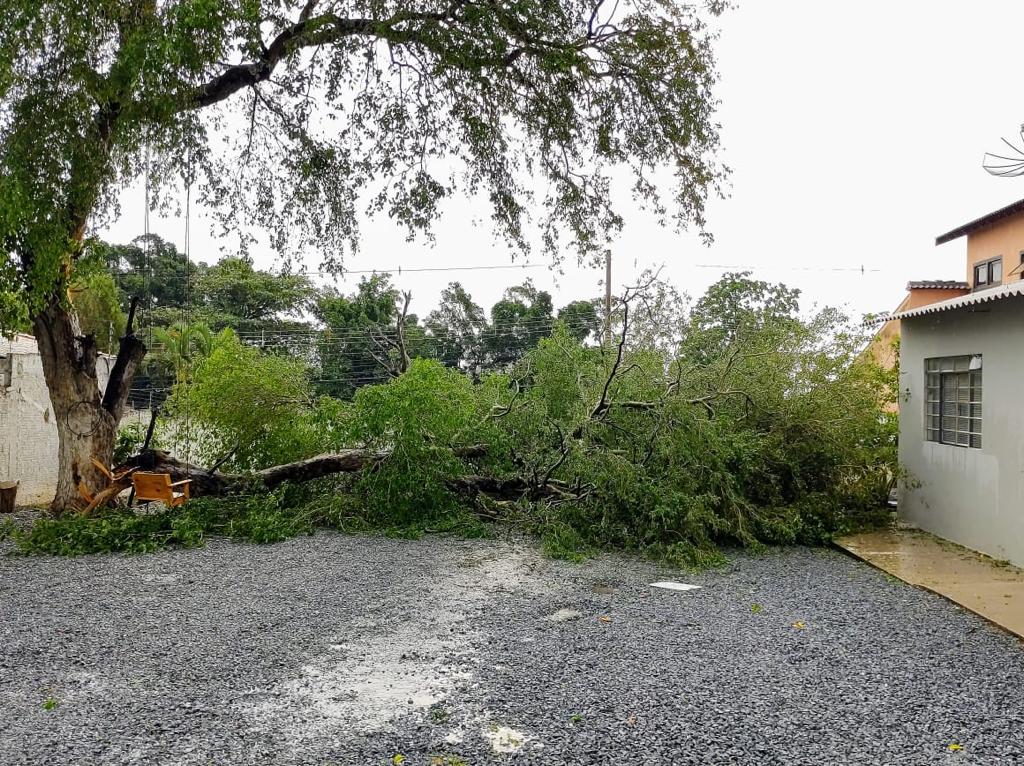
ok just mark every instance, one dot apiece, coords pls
pixel 358 686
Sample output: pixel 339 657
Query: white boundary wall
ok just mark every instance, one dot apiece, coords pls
pixel 28 433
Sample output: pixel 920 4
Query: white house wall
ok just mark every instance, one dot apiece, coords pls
pixel 28 434
pixel 974 497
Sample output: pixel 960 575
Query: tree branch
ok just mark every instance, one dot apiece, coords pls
pixel 304 33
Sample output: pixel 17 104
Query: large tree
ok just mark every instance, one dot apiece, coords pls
pixel 288 115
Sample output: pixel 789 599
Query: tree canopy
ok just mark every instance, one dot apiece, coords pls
pixel 292 118
pixel 350 338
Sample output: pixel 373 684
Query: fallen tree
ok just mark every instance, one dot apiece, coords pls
pixel 213 483
pixel 206 482
pixel 755 425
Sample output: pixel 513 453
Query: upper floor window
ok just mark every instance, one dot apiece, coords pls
pixel 988 273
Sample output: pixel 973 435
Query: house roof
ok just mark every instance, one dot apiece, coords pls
pixel 937 284
pixel 963 301
pixel 981 223
pixel 20 343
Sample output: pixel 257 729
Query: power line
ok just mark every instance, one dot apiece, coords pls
pixel 343 272
pixel 731 267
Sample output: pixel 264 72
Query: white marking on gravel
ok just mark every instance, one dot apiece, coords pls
pixel 564 615
pixel 669 585
pixel 361 685
pixel 505 740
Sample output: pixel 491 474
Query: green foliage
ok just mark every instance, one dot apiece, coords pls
pixel 130 439
pixel 419 418
pixel 747 424
pixel 518 321
pixel 97 302
pixel 254 405
pixel 75 535
pixel 233 293
pixel 457 327
pixel 766 428
pixel 149 268
pixel 560 541
pixel 359 341
pixel 261 518
pixel 581 319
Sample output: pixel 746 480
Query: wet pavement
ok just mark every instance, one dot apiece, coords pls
pixel 993 589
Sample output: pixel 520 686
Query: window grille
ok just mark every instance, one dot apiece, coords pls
pixel 953 406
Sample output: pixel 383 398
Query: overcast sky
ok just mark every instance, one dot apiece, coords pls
pixel 855 132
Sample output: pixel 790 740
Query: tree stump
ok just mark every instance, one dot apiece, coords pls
pixel 8 492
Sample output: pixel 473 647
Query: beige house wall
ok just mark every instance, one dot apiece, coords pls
pixel 1004 238
pixel 883 347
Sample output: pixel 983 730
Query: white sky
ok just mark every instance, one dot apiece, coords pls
pixel 855 132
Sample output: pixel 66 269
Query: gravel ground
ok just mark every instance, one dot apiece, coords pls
pixel 351 650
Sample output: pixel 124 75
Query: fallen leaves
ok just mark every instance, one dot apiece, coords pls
pixel 799 624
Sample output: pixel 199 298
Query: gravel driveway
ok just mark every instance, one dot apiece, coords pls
pixel 351 650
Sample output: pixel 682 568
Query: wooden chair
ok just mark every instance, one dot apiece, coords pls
pixel 157 487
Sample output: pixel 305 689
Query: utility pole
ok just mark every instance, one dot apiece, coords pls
pixel 608 297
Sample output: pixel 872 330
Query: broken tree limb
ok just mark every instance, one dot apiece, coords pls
pixel 107 495
pixel 207 483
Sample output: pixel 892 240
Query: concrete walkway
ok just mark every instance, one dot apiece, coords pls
pixel 990 588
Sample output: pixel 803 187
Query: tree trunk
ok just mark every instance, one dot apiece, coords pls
pixel 86 418
pixel 207 483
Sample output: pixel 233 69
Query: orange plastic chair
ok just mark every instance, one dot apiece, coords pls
pixel 157 487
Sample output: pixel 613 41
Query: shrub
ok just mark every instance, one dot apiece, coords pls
pixel 257 407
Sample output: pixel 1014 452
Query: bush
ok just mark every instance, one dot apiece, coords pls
pixel 257 407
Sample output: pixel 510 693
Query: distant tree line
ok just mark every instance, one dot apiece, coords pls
pixel 348 340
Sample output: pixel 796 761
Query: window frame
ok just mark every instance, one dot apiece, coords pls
pixel 953 407
pixel 987 265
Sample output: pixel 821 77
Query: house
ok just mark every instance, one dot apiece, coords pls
pixel 884 346
pixel 28 433
pixel 961 420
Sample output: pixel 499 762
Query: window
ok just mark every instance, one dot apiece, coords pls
pixel 953 401
pixel 988 273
